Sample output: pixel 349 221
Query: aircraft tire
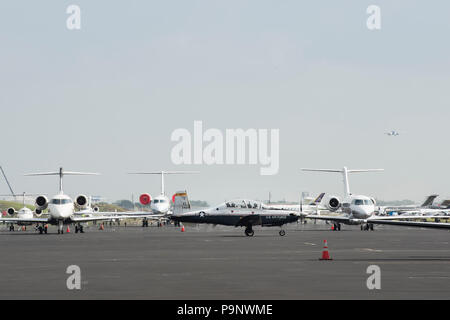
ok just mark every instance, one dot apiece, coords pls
pixel 249 233
pixel 282 233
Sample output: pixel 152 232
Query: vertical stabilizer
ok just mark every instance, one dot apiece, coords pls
pixel 181 202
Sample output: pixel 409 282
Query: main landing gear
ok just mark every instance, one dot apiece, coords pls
pixel 336 227
pixel 367 227
pixel 145 222
pixel 249 231
pixel 11 227
pixel 43 229
pixel 79 228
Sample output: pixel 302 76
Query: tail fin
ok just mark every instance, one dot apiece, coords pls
pixel 319 199
pixel 429 200
pixel 181 202
pixel 345 173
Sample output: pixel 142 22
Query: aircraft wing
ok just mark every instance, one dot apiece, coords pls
pixel 251 219
pixel 433 225
pixel 137 216
pixel 113 217
pixel 342 219
pixel 18 220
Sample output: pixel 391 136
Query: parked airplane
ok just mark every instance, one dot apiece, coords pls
pixel 360 209
pixel 61 208
pixel 426 208
pixel 160 204
pixel 237 213
pixel 23 213
pixel 356 209
pixel 313 206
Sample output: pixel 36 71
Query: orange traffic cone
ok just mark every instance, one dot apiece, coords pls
pixel 101 227
pixel 23 228
pixel 332 227
pixel 325 254
pixel 182 228
pixel 68 229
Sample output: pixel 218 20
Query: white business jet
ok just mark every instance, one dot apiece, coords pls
pixel 61 208
pixel 160 204
pixel 356 209
pixel 23 213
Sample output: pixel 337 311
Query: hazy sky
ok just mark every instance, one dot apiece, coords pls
pixel 106 98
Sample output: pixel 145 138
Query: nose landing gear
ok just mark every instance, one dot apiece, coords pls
pixel 282 233
pixel 60 228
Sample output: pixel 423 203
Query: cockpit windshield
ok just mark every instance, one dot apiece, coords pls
pixel 362 202
pixel 61 201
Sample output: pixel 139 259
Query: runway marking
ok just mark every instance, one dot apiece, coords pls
pixel 309 243
pixel 369 249
pixel 430 277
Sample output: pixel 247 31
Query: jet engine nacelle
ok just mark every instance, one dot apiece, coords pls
pixel 11 211
pixel 81 201
pixel 38 212
pixel 145 199
pixel 41 203
pixel 333 203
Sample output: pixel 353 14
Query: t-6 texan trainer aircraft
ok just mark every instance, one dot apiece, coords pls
pixel 60 208
pixel 237 213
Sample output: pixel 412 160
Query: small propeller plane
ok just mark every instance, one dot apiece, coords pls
pixel 238 213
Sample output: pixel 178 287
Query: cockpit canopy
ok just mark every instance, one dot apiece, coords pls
pixel 242 203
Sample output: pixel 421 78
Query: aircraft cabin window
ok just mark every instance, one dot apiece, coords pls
pixel 155 201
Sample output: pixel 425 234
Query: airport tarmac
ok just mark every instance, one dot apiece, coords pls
pixel 221 263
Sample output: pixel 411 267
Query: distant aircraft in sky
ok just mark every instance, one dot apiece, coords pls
pixel 392 133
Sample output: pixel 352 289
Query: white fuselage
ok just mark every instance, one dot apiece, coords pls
pixel 358 206
pixel 60 207
pixel 160 204
pixel 24 213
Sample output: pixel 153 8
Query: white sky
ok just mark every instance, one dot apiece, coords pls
pixel 107 97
